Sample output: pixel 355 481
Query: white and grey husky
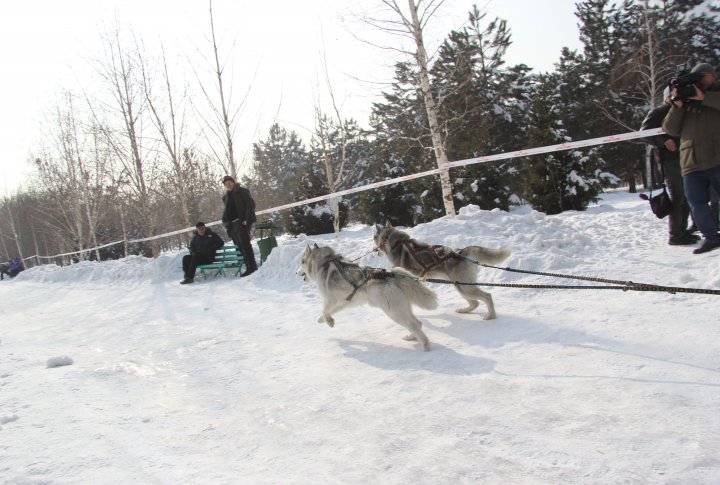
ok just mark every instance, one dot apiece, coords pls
pixel 344 284
pixel 441 262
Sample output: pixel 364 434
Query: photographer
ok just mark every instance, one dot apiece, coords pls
pixel 696 120
pixel 667 147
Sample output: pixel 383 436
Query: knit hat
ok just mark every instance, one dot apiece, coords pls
pixel 228 177
pixel 704 68
pixel 199 225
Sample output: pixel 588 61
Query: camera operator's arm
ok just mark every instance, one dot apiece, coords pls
pixel 654 119
pixel 672 124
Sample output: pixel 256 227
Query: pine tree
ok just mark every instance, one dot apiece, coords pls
pixel 400 138
pixel 277 164
pixel 565 180
pixel 483 103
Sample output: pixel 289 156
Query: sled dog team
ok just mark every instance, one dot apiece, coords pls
pixel 343 284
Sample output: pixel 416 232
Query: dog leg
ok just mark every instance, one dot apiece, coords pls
pixel 406 318
pixel 328 310
pixel 472 305
pixel 329 320
pixel 472 294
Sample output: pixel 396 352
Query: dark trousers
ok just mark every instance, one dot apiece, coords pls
pixel 241 237
pixel 677 222
pixel 192 261
pixel 698 186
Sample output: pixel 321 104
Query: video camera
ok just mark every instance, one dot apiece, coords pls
pixel 684 83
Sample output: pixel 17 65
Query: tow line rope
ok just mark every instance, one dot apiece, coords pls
pixel 623 285
pixel 616 284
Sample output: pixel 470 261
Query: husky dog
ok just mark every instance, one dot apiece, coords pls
pixel 343 284
pixel 441 262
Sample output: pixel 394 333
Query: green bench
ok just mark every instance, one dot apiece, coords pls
pixel 227 257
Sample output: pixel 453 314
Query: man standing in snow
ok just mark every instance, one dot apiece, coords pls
pixel 697 123
pixel 238 217
pixel 202 251
pixel 666 147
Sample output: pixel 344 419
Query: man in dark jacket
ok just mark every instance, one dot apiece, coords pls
pixel 16 267
pixel 202 251
pixel 666 147
pixel 238 217
pixel 697 123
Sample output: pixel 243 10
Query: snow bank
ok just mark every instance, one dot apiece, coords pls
pixel 538 242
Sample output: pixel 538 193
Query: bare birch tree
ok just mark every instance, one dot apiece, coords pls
pixel 74 168
pixel 169 125
pixel 333 151
pixel 412 22
pixel 121 73
pixel 222 121
pixel 13 223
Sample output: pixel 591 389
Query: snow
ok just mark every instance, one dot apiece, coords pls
pixel 233 381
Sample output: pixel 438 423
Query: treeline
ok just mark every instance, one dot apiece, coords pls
pixel 123 170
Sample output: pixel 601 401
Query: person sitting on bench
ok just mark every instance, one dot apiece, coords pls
pixel 202 251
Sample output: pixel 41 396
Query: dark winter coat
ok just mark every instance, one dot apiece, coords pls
pixel 654 119
pixel 698 125
pixel 238 205
pixel 206 245
pixel 15 267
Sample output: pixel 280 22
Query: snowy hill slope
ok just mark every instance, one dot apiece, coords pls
pixel 232 381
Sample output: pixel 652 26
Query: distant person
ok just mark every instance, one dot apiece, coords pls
pixel 16 267
pixel 667 148
pixel 697 122
pixel 238 218
pixel 4 267
pixel 203 246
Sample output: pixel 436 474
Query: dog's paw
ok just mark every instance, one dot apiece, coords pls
pixel 321 319
pixel 472 305
pixel 330 321
pixel 409 337
pixel 489 316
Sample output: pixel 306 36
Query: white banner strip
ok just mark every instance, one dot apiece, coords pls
pixel 460 163
pixel 560 147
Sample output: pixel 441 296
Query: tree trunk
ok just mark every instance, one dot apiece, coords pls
pixel 432 112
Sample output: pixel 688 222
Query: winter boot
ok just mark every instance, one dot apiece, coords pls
pixel 706 246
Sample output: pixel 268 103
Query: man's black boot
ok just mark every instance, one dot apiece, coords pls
pixel 707 246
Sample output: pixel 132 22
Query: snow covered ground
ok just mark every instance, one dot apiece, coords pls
pixel 233 381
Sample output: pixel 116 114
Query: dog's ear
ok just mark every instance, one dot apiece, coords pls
pixel 387 224
pixel 315 246
pixel 307 249
pixel 378 228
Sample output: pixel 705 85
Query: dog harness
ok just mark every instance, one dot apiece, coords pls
pixel 366 273
pixel 436 259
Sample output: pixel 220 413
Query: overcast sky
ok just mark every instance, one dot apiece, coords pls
pixel 46 46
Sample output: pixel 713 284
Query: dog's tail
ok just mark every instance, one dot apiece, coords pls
pixel 485 255
pixel 415 291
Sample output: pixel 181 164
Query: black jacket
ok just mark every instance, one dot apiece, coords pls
pixel 238 205
pixel 206 245
pixel 654 119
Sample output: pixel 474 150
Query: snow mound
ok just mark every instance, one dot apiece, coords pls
pixel 130 269
pixel 59 361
